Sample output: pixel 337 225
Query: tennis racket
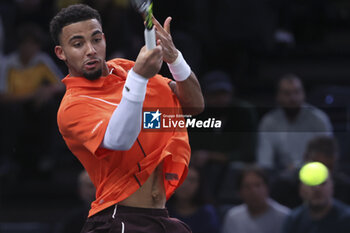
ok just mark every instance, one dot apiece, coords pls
pixel 144 7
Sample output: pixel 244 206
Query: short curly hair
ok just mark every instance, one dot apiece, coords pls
pixel 71 14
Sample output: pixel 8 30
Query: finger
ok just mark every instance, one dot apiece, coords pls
pixel 155 21
pixel 158 49
pixel 160 36
pixel 158 26
pixel 159 52
pixel 167 24
pixel 143 49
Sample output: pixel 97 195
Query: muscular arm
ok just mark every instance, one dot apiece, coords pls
pixel 190 94
pixel 125 123
pixel 187 89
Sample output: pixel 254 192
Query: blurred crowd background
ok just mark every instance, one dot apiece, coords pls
pixel 276 72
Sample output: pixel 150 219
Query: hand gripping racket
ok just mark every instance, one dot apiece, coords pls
pixel 145 8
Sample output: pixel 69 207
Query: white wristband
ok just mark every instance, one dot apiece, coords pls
pixel 179 68
pixel 135 87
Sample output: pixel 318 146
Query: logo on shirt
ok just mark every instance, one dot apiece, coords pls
pixel 151 120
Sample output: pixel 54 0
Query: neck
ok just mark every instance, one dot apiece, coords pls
pixel 320 212
pixel 25 60
pixel 105 70
pixel 291 113
pixel 257 210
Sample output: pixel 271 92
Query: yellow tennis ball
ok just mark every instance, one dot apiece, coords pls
pixel 313 174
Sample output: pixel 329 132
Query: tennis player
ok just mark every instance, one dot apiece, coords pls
pixel 134 171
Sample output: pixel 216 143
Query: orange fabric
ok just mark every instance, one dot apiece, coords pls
pixel 83 118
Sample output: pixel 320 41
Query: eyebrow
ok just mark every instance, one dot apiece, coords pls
pixel 96 32
pixel 81 37
pixel 75 37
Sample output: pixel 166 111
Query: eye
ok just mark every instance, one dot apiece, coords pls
pixel 77 44
pixel 96 40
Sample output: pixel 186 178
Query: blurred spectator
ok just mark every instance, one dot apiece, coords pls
pixel 234 141
pixel 29 69
pixel 29 90
pixel 75 219
pixel 320 212
pixel 285 131
pixel 324 149
pixel 258 213
pixel 189 205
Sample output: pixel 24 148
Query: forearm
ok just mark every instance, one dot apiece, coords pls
pixel 186 87
pixel 124 126
pixel 125 123
pixel 190 95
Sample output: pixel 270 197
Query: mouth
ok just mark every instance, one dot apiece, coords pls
pixel 91 64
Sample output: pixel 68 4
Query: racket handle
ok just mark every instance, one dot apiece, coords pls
pixel 150 38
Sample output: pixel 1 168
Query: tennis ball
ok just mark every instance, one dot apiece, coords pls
pixel 313 174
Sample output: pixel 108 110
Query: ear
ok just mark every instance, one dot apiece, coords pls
pixel 60 53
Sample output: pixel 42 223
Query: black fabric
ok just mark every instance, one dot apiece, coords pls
pixel 123 219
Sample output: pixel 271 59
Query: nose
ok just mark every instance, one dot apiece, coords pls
pixel 90 49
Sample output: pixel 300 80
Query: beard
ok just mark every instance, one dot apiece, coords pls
pixel 318 207
pixel 93 75
pixel 291 113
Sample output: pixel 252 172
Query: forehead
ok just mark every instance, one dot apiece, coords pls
pixel 290 83
pixel 251 177
pixel 81 28
pixel 326 185
pixel 317 155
